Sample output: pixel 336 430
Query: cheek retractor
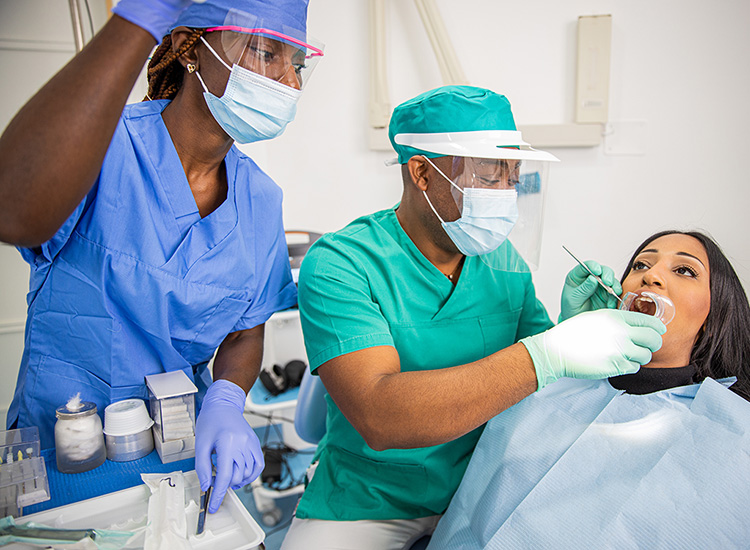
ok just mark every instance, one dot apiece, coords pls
pixel 649 303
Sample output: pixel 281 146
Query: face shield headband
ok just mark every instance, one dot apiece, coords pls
pixel 314 51
pixel 270 45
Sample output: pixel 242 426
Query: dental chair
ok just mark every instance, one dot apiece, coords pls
pixel 310 421
pixel 310 415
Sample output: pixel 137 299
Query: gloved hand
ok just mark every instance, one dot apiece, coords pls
pixel 155 16
pixel 582 292
pixel 595 344
pixel 221 427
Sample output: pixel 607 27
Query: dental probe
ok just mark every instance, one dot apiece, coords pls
pixel 598 279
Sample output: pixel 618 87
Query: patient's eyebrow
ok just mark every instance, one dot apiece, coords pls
pixel 655 251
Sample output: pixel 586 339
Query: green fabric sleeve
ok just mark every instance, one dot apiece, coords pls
pixel 534 317
pixel 337 309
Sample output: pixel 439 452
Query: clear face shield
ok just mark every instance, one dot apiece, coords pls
pixel 268 48
pixel 499 183
pixel 505 197
pixel 479 173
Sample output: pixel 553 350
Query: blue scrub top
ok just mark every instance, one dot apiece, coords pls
pixel 135 282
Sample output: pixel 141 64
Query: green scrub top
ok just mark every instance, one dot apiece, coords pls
pixel 368 285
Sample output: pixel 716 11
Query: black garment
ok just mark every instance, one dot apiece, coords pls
pixel 651 380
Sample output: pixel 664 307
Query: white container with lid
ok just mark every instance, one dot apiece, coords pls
pixel 127 430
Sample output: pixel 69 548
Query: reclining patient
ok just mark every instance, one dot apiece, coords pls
pixel 655 459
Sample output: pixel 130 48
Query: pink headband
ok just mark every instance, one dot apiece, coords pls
pixel 234 28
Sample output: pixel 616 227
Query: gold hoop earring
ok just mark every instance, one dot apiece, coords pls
pixel 190 68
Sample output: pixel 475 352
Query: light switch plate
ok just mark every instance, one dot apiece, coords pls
pixel 592 82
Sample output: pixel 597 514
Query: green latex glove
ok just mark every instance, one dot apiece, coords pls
pixel 595 344
pixel 583 293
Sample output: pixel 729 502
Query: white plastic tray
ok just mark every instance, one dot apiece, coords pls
pixel 230 528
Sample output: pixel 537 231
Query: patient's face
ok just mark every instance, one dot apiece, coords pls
pixel 675 266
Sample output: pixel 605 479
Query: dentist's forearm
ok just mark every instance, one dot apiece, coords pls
pixel 423 408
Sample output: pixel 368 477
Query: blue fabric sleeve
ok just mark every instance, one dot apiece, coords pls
pixel 47 252
pixel 337 309
pixel 276 289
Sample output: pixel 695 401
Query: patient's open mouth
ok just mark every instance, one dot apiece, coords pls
pixel 649 303
pixel 644 304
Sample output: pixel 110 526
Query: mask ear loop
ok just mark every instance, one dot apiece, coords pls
pixel 200 79
pixel 433 208
pixel 439 171
pixel 195 70
pixel 216 55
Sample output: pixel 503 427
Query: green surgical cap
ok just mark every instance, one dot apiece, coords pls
pixel 449 109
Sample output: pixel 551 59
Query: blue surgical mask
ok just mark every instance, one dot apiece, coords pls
pixel 253 107
pixel 487 218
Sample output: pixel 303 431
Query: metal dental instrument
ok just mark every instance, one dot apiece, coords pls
pixel 46 533
pixel 598 279
pixel 205 497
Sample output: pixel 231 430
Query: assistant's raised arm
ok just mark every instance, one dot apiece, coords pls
pixel 53 149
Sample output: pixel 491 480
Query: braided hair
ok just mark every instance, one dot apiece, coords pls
pixel 165 73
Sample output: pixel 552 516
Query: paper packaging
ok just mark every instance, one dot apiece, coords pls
pixel 230 528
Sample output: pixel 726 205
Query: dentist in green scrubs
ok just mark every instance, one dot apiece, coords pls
pixel 422 322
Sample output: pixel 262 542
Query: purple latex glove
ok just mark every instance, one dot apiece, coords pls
pixel 155 16
pixel 222 428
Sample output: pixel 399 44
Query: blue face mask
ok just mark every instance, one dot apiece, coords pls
pixel 253 107
pixel 487 218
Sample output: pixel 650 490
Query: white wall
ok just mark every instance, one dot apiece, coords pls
pixel 36 39
pixel 680 66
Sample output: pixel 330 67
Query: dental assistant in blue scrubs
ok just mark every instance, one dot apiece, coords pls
pixel 152 240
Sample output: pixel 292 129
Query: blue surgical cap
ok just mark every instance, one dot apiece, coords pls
pixel 284 16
